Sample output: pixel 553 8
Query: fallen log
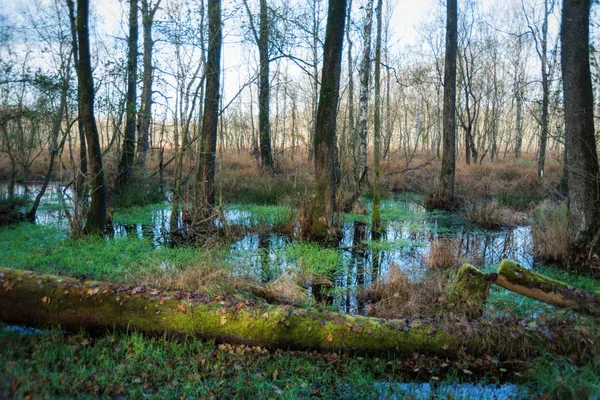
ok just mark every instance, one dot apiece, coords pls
pixel 42 300
pixel 519 279
pixel 35 299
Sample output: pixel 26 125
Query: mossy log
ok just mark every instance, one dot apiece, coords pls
pixel 520 280
pixel 35 299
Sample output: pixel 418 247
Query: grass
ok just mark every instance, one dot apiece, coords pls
pixel 61 365
pixel 550 232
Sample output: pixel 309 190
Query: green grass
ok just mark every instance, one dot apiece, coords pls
pixel 144 215
pixel 61 365
pixel 48 249
pixel 558 378
pixel 143 192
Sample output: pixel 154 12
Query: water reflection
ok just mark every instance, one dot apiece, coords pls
pixel 404 240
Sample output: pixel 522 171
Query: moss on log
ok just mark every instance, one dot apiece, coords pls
pixel 471 290
pixel 520 280
pixel 36 299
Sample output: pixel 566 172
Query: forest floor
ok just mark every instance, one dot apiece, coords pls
pixel 508 213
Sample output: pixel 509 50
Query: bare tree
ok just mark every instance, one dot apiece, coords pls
pixel 96 219
pixel 363 98
pixel 148 13
pixel 584 173
pixel 446 189
pixel 323 202
pixel 205 175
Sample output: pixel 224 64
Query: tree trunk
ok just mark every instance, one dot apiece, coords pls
pixel 584 207
pixel 266 153
pixel 363 99
pixel 448 171
pixel 376 217
pixel 125 174
pixel 96 219
pixel 323 202
pixel 205 175
pixel 82 174
pixel 148 12
pixel 46 300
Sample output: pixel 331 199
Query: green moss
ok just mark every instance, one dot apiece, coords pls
pixel 471 288
pixel 520 275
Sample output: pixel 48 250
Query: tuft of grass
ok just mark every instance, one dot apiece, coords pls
pixel 550 232
pixel 488 214
pixel 444 254
pixel 559 378
pixel 399 298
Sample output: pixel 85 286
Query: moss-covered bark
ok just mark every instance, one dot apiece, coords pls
pixel 471 289
pixel 520 280
pixel 45 300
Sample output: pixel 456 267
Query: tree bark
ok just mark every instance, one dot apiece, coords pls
pixel 584 206
pixel 96 219
pixel 205 175
pixel 83 167
pixel 363 99
pixel 448 171
pixel 545 95
pixel 264 127
pixel 323 202
pixel 376 217
pixel 125 173
pixel 148 12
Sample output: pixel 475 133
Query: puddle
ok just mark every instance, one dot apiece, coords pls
pixel 426 391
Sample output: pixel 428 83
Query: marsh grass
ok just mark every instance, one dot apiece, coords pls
pixel 550 232
pixel 444 253
pixel 488 214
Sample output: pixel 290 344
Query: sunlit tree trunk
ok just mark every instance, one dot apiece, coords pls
pixel 376 217
pixel 363 98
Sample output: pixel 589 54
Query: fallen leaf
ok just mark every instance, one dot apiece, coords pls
pixel 7 286
pixel 445 347
pixel 223 320
pixel 181 308
pixel 330 337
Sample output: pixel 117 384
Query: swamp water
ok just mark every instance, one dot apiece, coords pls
pixel 361 258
